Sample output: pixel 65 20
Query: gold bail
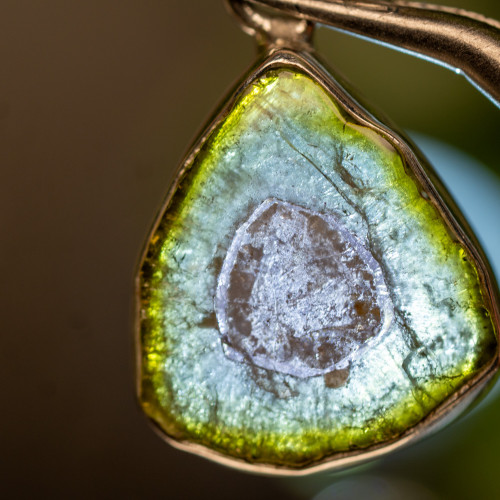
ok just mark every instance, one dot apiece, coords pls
pixel 269 29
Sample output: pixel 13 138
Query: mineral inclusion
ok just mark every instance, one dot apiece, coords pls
pixel 298 294
pixel 301 296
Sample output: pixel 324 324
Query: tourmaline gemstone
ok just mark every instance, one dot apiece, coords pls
pixel 301 296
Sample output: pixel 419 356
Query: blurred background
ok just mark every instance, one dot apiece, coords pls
pixel 99 100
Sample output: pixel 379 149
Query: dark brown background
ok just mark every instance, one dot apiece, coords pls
pixel 98 102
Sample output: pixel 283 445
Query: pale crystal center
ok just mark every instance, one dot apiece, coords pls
pixel 298 293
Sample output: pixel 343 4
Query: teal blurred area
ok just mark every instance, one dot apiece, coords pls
pixel 99 101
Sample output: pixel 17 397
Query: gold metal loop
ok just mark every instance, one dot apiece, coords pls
pixel 463 41
pixel 271 29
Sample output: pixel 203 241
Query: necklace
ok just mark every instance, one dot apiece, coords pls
pixel 310 297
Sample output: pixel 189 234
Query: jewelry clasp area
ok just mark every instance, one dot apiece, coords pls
pixel 460 40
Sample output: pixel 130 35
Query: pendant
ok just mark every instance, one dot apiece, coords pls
pixel 309 297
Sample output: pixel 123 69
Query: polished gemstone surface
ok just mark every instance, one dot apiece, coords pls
pixel 302 296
